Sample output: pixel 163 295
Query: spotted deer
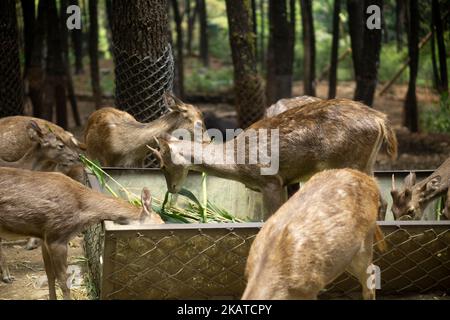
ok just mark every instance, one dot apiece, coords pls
pixel 321 231
pixel 412 199
pixel 115 138
pixel 283 105
pixel 55 208
pixel 321 135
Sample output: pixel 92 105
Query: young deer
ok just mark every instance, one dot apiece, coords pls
pixel 414 197
pixel 324 229
pixel 15 140
pixel 321 135
pixel 283 105
pixel 46 154
pixel 54 208
pixel 115 138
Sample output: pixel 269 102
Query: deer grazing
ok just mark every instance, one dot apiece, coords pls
pixel 46 154
pixel 283 105
pixel 115 138
pixel 322 135
pixel 55 208
pixel 15 140
pixel 413 198
pixel 324 229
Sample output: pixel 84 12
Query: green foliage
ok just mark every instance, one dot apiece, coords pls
pixel 207 80
pixel 437 118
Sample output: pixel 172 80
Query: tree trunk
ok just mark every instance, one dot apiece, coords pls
pixel 334 51
pixel 366 82
pixel 442 85
pixel 309 47
pixel 399 22
pixel 179 58
pixel 93 53
pixel 436 78
pixel 204 53
pixel 77 43
pixel 55 84
pixel 36 73
pixel 249 91
pixel 11 88
pixel 410 109
pixel 192 17
pixel 255 27
pixel 29 19
pixel 65 49
pixel 356 27
pixel 140 37
pixel 262 42
pixel 279 67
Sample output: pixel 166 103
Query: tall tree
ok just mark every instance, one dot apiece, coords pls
pixel 334 51
pixel 93 52
pixel 281 47
pixel 262 46
pixel 411 120
pixel 249 91
pixel 77 43
pixel 29 12
pixel 179 85
pixel 11 89
pixel 399 22
pixel 204 48
pixel 438 30
pixel 355 9
pixel 139 33
pixel 309 48
pixel 366 81
pixel 55 82
pixel 191 19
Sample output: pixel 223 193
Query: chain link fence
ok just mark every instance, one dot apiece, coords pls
pixel 208 261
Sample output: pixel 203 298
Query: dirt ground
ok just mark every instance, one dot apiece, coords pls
pixel 419 151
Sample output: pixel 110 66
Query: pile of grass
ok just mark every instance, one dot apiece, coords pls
pixel 195 212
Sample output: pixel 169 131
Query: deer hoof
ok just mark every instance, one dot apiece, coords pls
pixel 8 279
pixel 32 244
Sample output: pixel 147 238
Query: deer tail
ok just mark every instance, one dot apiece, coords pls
pixel 379 238
pixel 389 138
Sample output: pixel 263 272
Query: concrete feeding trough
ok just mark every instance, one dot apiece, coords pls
pixel 207 261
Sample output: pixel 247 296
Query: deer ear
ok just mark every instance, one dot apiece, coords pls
pixel 34 131
pixel 410 179
pixel 146 200
pixel 173 102
pixel 433 184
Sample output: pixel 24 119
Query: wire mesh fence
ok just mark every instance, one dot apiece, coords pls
pixel 208 261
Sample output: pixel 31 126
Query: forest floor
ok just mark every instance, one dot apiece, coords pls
pixel 420 151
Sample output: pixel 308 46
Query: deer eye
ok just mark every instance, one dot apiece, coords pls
pixel 60 146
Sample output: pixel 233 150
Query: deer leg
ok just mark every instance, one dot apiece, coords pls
pixel 359 267
pixel 58 253
pixel 274 195
pixel 49 270
pixel 33 243
pixel 6 276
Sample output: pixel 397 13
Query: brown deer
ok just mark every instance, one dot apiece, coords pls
pixel 413 198
pixel 15 140
pixel 115 138
pixel 46 154
pixel 324 229
pixel 55 208
pixel 283 105
pixel 321 135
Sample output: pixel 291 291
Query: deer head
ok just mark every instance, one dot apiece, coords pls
pixel 172 162
pixel 52 147
pixel 411 200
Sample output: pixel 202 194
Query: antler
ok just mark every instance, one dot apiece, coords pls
pixel 157 155
pixel 393 182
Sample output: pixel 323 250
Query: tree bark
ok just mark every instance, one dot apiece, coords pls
pixel 399 22
pixel 334 51
pixel 93 53
pixel 356 26
pixel 192 17
pixel 55 84
pixel 139 29
pixel 179 58
pixel 29 19
pixel 204 52
pixel 249 91
pixel 366 81
pixel 442 85
pixel 262 43
pixel 77 43
pixel 11 87
pixel 280 63
pixel 309 43
pixel 410 109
